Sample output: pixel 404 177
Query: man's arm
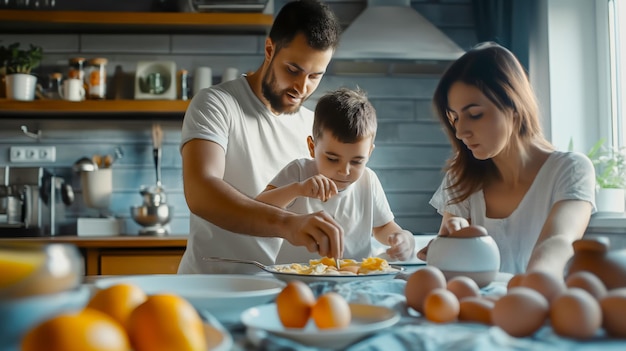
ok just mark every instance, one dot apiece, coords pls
pixel 210 197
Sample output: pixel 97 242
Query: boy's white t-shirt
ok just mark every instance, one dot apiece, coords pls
pixel 257 144
pixel 358 208
pixel 564 176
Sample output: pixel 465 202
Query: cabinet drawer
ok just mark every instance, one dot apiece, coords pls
pixel 140 263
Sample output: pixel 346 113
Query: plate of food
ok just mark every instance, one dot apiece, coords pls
pixel 325 269
pixel 365 320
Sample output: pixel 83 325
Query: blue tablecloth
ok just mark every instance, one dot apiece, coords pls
pixel 414 332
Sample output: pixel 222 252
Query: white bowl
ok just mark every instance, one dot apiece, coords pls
pixel 477 257
pixel 19 315
pixel 225 296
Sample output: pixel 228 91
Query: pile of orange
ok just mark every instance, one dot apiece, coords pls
pixel 120 318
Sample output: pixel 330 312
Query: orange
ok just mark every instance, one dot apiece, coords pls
pixel 85 330
pixel 118 301
pixel 294 304
pixel 166 322
pixel 331 310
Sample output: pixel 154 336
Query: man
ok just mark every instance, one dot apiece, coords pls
pixel 237 135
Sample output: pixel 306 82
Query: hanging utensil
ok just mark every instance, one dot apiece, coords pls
pixel 157 139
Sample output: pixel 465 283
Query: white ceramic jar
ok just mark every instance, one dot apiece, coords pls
pixel 474 257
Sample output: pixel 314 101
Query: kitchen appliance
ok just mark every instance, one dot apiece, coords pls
pixel 391 37
pixel 154 213
pixel 32 202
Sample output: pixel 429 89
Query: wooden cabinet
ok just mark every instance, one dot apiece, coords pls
pixel 121 255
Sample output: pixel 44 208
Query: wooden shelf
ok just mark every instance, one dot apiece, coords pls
pixel 12 108
pixel 29 21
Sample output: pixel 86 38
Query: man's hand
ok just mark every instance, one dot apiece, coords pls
pixel 318 187
pixel 318 232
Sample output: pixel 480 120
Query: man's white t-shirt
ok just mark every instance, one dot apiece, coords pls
pixel 564 176
pixel 358 208
pixel 257 144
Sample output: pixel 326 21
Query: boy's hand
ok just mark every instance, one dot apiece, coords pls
pixel 318 187
pixel 402 245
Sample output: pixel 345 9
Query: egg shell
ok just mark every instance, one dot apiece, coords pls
pixel 420 283
pixel 463 286
pixel 441 306
pixel 576 314
pixel 476 309
pixel 588 282
pixel 547 284
pixel 353 269
pixel 294 304
pixel 613 306
pixel 516 280
pixel 521 312
pixel 331 311
pixel 472 231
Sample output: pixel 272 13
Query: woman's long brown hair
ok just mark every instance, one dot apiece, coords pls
pixel 497 73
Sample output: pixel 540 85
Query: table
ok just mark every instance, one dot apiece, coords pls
pixel 413 332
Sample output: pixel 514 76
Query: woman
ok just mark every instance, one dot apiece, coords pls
pixel 504 175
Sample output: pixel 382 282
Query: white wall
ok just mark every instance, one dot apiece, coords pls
pixel 564 58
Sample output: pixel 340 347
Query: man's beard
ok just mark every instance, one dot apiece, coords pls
pixel 274 97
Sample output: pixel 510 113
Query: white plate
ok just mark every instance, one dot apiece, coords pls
pixel 217 338
pixel 312 278
pixel 225 296
pixel 366 319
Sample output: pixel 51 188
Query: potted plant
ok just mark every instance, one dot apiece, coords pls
pixel 18 63
pixel 610 166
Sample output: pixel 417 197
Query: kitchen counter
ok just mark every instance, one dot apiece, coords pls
pixel 125 254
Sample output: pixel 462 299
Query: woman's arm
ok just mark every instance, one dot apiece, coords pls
pixel 566 223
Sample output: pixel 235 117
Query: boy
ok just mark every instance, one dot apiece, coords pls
pixel 338 182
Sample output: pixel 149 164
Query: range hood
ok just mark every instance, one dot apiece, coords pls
pixel 391 37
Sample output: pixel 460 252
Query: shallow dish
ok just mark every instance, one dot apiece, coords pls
pixel 225 296
pixel 217 338
pixel 366 319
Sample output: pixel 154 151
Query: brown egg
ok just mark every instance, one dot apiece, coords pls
pixel 516 280
pixel 545 283
pixel 476 309
pixel 441 306
pixel 472 231
pixel 294 304
pixel 588 282
pixel 463 286
pixel 521 312
pixel 613 306
pixel 575 314
pixel 420 283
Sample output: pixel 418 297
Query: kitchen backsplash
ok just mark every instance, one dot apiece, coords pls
pixel 410 146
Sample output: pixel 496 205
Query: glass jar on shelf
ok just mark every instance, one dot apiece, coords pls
pixel 77 68
pixel 97 76
pixel 54 85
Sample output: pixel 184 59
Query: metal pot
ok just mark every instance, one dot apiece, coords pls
pixel 147 215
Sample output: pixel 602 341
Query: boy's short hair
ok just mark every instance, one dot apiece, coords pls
pixel 312 18
pixel 347 114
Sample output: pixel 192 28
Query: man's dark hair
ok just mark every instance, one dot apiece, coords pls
pixel 312 18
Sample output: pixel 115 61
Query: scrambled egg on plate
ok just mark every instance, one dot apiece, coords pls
pixel 327 266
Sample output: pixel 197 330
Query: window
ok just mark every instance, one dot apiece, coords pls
pixel 617 49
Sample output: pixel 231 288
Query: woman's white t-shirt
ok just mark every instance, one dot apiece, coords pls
pixel 564 176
